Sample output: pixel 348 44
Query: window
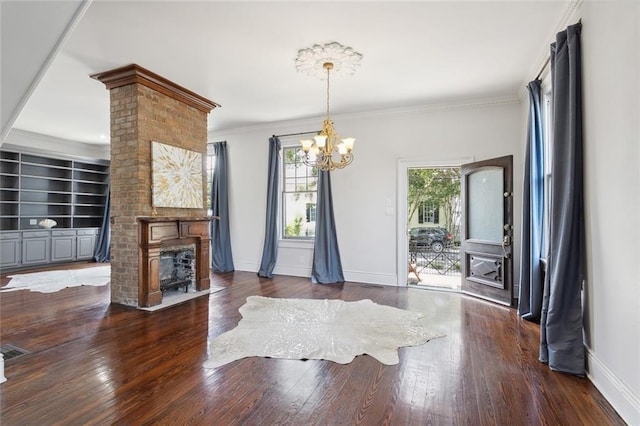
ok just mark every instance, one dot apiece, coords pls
pixel 211 161
pixel 428 213
pixel 546 203
pixel 298 195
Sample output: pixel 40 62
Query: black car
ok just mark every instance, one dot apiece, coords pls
pixel 435 239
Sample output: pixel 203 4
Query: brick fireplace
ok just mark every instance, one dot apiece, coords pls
pixel 146 107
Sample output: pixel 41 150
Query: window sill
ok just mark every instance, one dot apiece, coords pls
pixel 299 244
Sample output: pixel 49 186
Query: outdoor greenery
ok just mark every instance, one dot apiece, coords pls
pixel 439 187
pixel 294 229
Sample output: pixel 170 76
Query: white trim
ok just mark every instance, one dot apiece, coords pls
pixel 305 272
pixel 245 266
pixel 293 271
pixel 568 14
pixel 71 25
pixel 403 166
pixel 293 125
pixel 37 143
pixel 302 244
pixel 371 278
pixel 621 398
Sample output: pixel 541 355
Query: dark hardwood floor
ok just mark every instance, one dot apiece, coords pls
pixel 91 362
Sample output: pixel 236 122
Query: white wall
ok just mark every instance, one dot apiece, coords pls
pixel 365 200
pixel 610 49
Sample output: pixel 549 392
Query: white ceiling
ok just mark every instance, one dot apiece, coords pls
pixel 241 55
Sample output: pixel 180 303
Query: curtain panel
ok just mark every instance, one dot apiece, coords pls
pixel 561 325
pixel 102 251
pixel 221 256
pixel 531 274
pixel 326 266
pixel 270 248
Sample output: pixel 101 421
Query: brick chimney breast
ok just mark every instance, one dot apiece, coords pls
pixel 145 107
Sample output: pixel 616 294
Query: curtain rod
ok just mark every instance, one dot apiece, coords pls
pixel 549 57
pixel 543 67
pixel 296 134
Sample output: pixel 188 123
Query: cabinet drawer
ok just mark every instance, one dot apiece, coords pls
pixel 35 234
pixel 63 233
pixel 10 236
pixel 87 231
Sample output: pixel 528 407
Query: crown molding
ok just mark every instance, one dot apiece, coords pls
pixel 133 73
pixel 541 63
pixel 38 143
pixel 285 126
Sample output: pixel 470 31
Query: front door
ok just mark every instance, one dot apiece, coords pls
pixel 487 229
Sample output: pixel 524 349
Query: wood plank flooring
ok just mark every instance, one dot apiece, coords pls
pixel 96 363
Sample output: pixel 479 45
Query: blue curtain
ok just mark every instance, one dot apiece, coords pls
pixel 561 325
pixel 221 257
pixel 270 249
pixel 326 267
pixel 102 251
pixel 531 274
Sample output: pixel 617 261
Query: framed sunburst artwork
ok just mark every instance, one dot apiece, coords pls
pixel 176 176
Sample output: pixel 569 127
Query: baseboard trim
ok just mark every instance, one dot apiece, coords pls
pixel 291 270
pixel 245 266
pixel 621 398
pixel 371 278
pixel 305 271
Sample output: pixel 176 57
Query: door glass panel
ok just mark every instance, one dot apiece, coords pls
pixel 485 208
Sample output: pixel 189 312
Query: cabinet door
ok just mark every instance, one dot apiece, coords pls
pixel 63 248
pixel 35 250
pixel 86 246
pixel 10 250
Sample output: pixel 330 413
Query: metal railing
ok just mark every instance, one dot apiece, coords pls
pixel 427 261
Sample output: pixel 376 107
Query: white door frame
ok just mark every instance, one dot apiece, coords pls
pixel 403 167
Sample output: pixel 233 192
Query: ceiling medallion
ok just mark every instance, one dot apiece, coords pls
pixel 345 60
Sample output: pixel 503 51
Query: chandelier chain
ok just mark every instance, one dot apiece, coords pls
pixel 328 73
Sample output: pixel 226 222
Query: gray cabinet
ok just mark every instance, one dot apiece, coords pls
pixel 23 249
pixel 36 246
pixel 86 243
pixel 10 254
pixel 63 245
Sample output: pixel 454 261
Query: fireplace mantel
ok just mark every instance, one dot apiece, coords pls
pixel 155 233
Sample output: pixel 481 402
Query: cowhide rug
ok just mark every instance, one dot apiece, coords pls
pixel 52 281
pixel 332 330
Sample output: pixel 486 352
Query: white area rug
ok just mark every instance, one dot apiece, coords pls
pixel 333 330
pixel 52 281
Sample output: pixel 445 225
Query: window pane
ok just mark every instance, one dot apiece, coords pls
pixel 297 208
pixel 211 161
pixel 486 216
pixel 299 195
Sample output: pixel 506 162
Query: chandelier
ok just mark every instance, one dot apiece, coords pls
pixel 326 151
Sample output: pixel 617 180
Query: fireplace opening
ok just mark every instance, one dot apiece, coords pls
pixel 177 269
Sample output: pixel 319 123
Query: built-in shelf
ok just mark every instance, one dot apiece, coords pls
pixel 35 187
